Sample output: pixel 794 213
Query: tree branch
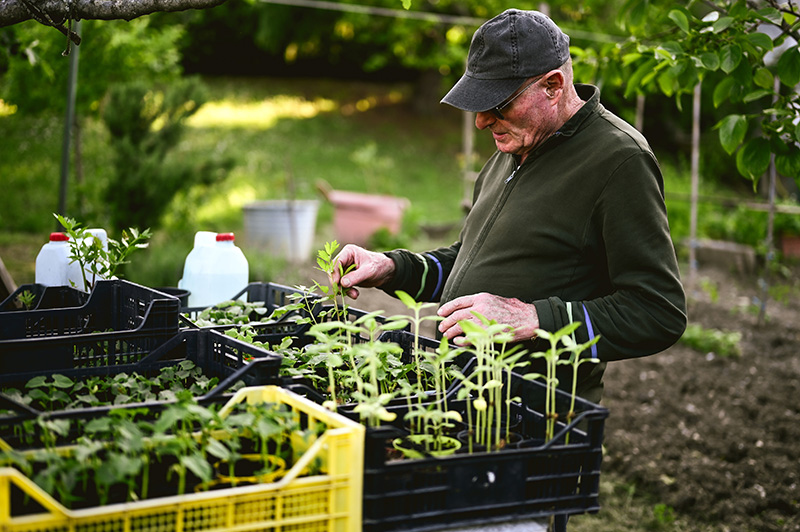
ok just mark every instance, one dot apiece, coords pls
pixel 15 11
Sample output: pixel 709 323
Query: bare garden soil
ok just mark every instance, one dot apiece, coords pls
pixel 715 438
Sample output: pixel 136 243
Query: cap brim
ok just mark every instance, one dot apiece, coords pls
pixel 475 95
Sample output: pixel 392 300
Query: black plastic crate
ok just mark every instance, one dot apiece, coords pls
pixel 45 297
pixel 119 323
pixel 536 480
pixel 217 355
pixel 272 296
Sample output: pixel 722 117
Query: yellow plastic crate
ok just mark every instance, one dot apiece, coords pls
pixel 329 502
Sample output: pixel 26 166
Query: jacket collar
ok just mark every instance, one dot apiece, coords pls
pixel 589 94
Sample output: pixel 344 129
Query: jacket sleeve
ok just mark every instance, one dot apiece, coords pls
pixel 421 275
pixel 646 310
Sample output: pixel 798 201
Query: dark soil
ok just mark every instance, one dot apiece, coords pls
pixel 715 438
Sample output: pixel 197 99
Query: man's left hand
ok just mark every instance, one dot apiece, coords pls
pixel 522 317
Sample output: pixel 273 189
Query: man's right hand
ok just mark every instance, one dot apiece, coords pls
pixel 371 269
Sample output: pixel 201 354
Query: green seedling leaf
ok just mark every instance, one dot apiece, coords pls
pixel 37 382
pixel 197 465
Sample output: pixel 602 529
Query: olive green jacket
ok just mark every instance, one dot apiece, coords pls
pixel 580 230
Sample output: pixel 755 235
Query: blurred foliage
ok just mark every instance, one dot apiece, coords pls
pixel 35 75
pixel 716 341
pixel 745 56
pixel 145 125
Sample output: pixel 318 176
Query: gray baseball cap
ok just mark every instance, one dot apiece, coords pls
pixel 505 51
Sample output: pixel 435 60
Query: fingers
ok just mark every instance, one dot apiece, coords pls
pixel 345 258
pixel 356 266
pixel 453 312
pixel 352 293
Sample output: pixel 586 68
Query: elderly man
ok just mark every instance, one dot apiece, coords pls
pixel 568 222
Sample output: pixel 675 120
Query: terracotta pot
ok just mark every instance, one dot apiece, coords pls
pixel 790 246
pixel 358 216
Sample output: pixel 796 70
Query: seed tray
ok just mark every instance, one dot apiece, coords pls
pixel 45 297
pixel 534 480
pixel 271 295
pixel 232 361
pixel 119 323
pixel 329 501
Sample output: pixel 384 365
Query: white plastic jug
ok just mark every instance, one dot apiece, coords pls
pixel 215 270
pixel 52 262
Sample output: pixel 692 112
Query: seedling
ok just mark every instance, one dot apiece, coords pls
pixel 26 298
pixel 91 256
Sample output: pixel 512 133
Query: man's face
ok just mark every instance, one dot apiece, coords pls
pixel 527 121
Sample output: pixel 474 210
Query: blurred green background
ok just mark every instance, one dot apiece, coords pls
pixel 183 118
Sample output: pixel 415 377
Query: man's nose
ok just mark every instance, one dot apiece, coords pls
pixel 484 119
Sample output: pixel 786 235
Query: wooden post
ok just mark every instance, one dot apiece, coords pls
pixel 773 180
pixel 7 284
pixel 695 187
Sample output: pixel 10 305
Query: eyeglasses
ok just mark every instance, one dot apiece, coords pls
pixel 498 111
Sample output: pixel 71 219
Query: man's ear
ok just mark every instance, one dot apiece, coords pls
pixel 554 82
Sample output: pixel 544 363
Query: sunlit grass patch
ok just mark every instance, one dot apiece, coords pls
pixel 259 115
pixel 7 109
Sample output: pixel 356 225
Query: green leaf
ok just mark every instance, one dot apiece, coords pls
pixel 770 14
pixel 37 382
pixel 680 19
pixel 730 55
pixel 217 449
pixel 666 82
pixel 789 164
pixel 635 81
pixel 732 130
pixel 755 95
pixel 672 47
pixel 739 9
pixel 661 52
pixel 710 60
pixel 789 67
pixel 763 78
pixel 722 24
pixel 723 90
pixel 753 159
pixel 633 14
pixel 761 40
pixel 627 59
pixel 61 381
pixel 197 465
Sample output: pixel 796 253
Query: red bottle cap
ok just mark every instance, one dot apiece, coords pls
pixel 221 237
pixel 58 237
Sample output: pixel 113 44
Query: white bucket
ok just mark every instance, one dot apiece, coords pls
pixel 284 228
